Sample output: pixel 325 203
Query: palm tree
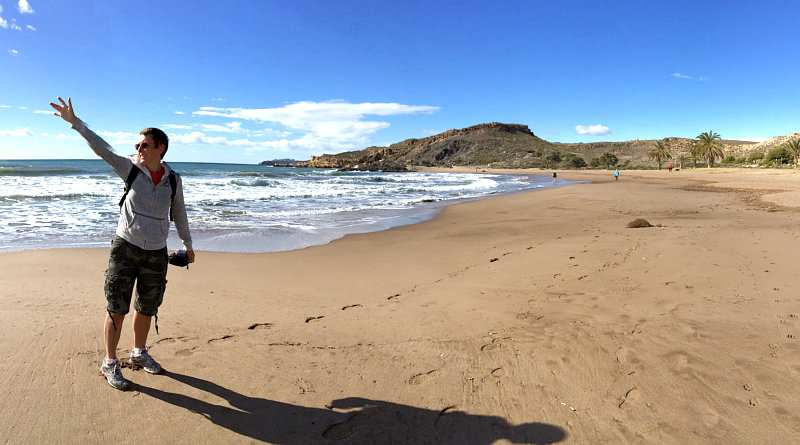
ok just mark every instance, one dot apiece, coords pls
pixel 694 152
pixel 794 147
pixel 659 152
pixel 681 160
pixel 708 147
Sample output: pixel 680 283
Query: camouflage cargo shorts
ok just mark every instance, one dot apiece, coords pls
pixel 129 265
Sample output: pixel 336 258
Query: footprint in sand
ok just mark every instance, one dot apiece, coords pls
pixel 167 340
pixel 352 306
pixel 309 319
pixel 185 352
pixel 417 379
pixel 224 337
pixel 341 430
pixel 630 397
pixel 490 346
pixel 444 411
pixel 622 355
pixel 260 326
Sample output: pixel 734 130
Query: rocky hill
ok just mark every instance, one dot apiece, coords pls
pixel 512 146
pixel 477 145
pixel 769 144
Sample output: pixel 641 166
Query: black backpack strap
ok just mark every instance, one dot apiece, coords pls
pixel 173 182
pixel 128 182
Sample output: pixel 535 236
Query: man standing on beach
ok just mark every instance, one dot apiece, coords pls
pixel 616 175
pixel 139 250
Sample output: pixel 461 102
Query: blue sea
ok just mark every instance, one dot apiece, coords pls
pixel 232 207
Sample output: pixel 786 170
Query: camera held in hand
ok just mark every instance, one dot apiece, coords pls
pixel 179 259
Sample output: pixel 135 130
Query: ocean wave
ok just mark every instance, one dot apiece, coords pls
pixel 52 197
pixel 253 182
pixel 258 174
pixel 16 171
pixel 67 203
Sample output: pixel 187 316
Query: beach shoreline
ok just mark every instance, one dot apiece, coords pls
pixel 523 318
pixel 232 208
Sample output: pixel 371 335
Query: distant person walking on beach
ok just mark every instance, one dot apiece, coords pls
pixel 555 176
pixel 616 175
pixel 139 250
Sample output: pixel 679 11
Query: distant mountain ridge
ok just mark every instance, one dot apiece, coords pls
pixel 510 146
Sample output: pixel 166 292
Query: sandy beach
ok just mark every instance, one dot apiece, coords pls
pixel 530 318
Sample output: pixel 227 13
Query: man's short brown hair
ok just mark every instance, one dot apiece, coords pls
pixel 159 137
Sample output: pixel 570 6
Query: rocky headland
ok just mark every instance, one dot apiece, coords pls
pixel 501 145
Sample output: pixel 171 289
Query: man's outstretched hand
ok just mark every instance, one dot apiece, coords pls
pixel 65 111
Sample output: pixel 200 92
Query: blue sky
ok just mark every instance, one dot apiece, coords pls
pixel 248 81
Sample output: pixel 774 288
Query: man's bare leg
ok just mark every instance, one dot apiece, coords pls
pixel 141 327
pixel 111 334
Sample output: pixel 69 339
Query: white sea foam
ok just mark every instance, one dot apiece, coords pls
pixel 239 208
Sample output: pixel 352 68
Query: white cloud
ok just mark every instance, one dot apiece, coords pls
pixel 31 28
pixel 13 52
pixel 25 7
pixel 3 22
pixel 16 27
pixel 179 112
pixel 5 106
pixel 70 136
pixel 334 125
pixel 688 77
pixel 306 114
pixel 592 130
pixel 120 137
pixel 232 127
pixel 17 133
pixel 43 112
pixel 198 137
pixel 270 133
pixel 308 142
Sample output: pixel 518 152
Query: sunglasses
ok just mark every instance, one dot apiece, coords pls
pixel 144 145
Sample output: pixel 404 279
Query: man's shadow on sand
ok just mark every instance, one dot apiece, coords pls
pixel 367 421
